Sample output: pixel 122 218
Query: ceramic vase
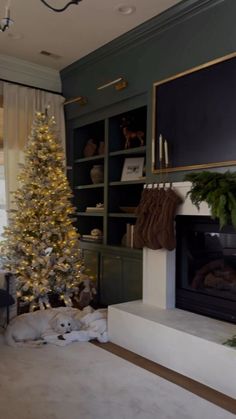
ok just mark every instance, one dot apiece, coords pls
pixel 101 148
pixel 97 174
pixel 90 148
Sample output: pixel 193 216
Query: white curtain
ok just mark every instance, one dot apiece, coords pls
pixel 20 104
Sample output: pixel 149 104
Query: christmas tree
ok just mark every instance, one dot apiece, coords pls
pixel 41 245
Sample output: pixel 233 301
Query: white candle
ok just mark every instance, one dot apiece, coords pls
pixel 7 13
pixel 160 147
pixel 166 153
pixel 7 10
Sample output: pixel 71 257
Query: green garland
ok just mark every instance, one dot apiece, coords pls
pixel 231 341
pixel 218 190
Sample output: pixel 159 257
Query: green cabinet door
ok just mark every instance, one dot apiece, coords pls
pixel 120 278
pixel 111 286
pixel 91 263
pixel 132 278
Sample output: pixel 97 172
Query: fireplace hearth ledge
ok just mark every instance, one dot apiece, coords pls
pixel 188 343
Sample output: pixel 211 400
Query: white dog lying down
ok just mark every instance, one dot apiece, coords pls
pixel 42 326
pixel 93 326
pixel 33 326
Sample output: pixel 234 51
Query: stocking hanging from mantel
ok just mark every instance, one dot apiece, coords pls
pixel 156 211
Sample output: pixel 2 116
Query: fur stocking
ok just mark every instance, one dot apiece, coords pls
pixel 142 213
pixel 166 232
pixel 152 240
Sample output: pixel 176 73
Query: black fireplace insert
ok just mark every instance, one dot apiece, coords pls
pixel 206 267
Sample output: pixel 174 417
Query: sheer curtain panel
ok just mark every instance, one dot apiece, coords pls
pixel 20 104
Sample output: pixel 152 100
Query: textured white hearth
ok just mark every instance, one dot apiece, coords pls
pixel 185 342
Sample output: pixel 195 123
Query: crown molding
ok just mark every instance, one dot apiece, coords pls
pixel 24 72
pixel 158 24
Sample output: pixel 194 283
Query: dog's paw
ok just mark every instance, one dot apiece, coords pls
pixel 103 338
pixel 60 337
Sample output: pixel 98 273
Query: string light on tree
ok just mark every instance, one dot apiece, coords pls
pixel 41 245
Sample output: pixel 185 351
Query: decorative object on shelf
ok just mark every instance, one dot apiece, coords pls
pixel 218 190
pixel 96 235
pixel 90 148
pixel 131 135
pixel 98 208
pixel 101 148
pixel 61 9
pixel 96 232
pixel 128 238
pixel 129 235
pixel 97 173
pixel 128 210
pixel 120 83
pixel 100 205
pixel 132 168
pixel 90 238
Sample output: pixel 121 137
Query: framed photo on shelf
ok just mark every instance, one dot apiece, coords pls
pixel 132 168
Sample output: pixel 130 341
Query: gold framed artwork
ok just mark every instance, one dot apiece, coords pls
pixel 194 118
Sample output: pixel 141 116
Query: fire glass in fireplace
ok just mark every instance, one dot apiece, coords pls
pixel 206 267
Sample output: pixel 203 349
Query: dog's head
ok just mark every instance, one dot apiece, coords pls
pixel 62 323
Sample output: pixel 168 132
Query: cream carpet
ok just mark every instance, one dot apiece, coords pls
pixel 82 381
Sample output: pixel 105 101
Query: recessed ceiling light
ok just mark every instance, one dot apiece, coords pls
pixel 124 9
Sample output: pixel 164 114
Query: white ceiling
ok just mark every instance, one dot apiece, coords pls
pixel 73 33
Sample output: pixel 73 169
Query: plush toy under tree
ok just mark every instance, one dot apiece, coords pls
pixel 41 246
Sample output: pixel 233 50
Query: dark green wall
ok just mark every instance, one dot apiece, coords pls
pixel 185 36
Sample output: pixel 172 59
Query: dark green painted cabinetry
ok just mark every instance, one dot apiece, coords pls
pixel 132 278
pixel 112 260
pixel 91 262
pixel 183 37
pixel 117 271
pixel 111 289
pixel 121 278
pixel 177 40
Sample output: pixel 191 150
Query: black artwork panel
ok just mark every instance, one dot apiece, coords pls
pixel 196 113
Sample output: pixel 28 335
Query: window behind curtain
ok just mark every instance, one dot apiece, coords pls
pixel 3 217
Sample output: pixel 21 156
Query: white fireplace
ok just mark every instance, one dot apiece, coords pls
pixel 185 342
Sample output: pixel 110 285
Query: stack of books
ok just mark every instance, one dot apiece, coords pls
pixel 94 209
pixel 90 238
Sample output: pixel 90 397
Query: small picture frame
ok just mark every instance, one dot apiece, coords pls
pixel 132 168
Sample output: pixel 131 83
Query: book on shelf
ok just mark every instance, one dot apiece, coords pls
pixel 130 235
pixel 89 237
pixel 94 209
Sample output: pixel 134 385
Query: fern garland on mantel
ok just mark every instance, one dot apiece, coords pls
pixel 218 190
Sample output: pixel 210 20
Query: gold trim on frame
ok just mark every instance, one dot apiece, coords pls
pixel 154 106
